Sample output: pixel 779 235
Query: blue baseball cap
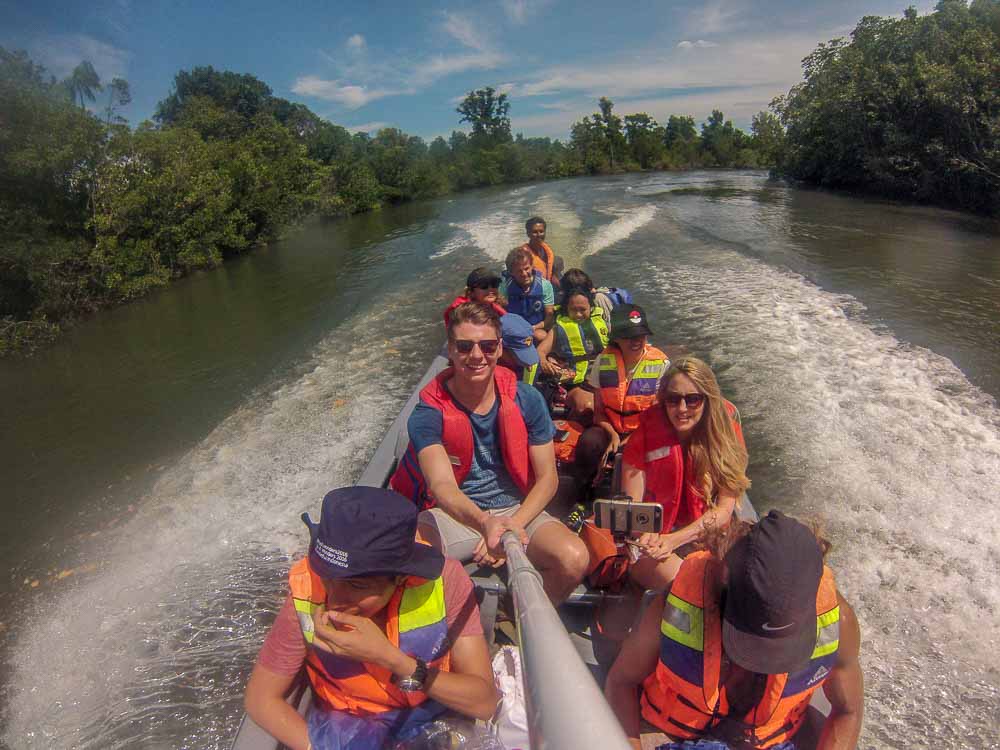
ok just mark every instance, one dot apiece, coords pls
pixel 518 338
pixel 369 531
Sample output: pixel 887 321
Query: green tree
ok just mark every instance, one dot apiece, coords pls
pixel 489 114
pixel 768 137
pixel 119 95
pixel 681 139
pixel 612 127
pixel 83 84
pixel 906 107
pixel 645 139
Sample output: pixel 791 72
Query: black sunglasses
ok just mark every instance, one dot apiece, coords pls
pixel 486 346
pixel 486 285
pixel 691 400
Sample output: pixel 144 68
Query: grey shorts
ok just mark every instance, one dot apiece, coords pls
pixel 460 541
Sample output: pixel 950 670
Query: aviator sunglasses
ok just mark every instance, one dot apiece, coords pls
pixel 486 285
pixel 691 400
pixel 486 346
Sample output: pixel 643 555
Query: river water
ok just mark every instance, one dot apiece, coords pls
pixel 155 461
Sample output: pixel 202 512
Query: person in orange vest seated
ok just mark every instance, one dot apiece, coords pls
pixel 688 455
pixel 624 381
pixel 481 460
pixel 388 632
pixel 752 626
pixel 481 285
pixel 543 257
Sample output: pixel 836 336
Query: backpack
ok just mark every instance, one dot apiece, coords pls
pixel 617 295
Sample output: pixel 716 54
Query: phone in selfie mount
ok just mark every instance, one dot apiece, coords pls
pixel 622 516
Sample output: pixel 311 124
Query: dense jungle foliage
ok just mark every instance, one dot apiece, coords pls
pixel 907 108
pixel 94 213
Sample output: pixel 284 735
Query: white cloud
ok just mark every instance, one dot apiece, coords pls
pixel 379 79
pixel 61 53
pixel 350 96
pixel 368 127
pixel 462 29
pixel 771 60
pixel 428 71
pixel 713 17
pixel 516 10
pixel 700 44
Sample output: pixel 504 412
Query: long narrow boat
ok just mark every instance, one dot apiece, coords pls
pixel 566 707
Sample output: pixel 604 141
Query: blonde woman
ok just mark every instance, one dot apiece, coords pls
pixel 688 455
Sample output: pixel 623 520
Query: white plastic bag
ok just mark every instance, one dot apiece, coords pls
pixel 511 719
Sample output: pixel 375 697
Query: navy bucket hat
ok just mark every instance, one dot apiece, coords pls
pixel 369 531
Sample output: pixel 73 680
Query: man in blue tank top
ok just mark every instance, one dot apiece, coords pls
pixel 528 294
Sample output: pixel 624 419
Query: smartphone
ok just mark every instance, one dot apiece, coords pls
pixel 622 516
pixel 561 435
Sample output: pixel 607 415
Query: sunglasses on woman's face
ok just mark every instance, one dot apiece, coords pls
pixel 487 285
pixel 486 346
pixel 691 400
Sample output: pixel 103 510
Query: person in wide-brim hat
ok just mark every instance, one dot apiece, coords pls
pixel 386 628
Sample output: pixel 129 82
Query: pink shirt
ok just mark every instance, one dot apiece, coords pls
pixel 284 649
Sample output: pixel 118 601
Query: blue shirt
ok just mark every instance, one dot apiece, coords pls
pixel 488 484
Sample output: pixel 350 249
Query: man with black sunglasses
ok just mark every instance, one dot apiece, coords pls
pixel 481 459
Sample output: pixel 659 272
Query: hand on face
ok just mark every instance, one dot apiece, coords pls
pixel 353 637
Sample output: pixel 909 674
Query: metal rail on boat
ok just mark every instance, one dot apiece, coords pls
pixel 566 708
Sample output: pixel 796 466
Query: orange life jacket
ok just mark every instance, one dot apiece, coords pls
pixel 416 624
pixel 684 698
pixel 625 399
pixel 456 437
pixel 669 479
pixel 544 265
pixel 565 448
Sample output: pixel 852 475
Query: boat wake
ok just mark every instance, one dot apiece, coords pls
pixel 896 453
pixel 157 642
pixel 621 228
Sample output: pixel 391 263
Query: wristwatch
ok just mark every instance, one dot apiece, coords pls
pixel 415 682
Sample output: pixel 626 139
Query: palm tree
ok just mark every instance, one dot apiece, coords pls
pixel 83 83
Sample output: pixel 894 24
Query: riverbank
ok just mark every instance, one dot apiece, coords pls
pixel 94 214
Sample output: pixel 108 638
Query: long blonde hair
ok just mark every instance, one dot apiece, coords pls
pixel 718 457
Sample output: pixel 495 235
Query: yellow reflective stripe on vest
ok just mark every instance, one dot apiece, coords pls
pixel 684 623
pixel 608 362
pixel 529 374
pixel 652 368
pixel 305 610
pixel 827 633
pixel 422 605
pixel 574 336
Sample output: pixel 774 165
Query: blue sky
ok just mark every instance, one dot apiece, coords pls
pixel 405 64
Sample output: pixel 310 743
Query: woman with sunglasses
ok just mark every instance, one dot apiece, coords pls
pixel 482 285
pixel 688 455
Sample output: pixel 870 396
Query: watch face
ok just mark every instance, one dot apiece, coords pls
pixel 409 684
